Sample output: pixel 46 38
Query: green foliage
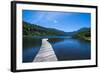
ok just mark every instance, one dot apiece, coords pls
pixel 35 30
pixel 83 34
pixel 30 30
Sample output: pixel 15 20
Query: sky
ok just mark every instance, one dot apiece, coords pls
pixel 65 21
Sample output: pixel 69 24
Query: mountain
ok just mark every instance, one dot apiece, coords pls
pixel 83 33
pixel 36 30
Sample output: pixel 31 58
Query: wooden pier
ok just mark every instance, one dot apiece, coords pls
pixel 46 53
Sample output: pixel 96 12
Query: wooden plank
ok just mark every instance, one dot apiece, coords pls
pixel 46 53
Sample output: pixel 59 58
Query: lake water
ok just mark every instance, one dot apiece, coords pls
pixel 65 48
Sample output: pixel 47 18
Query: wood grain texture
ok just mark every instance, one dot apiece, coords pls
pixel 46 53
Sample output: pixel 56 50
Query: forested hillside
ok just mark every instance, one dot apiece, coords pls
pixel 84 33
pixel 36 30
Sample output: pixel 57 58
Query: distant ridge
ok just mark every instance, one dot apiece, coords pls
pixel 83 33
pixel 36 30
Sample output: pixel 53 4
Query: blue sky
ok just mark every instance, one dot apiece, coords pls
pixel 65 21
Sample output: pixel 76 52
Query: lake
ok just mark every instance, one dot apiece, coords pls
pixel 65 48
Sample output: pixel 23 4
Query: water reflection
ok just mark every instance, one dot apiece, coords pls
pixel 65 48
pixel 31 47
